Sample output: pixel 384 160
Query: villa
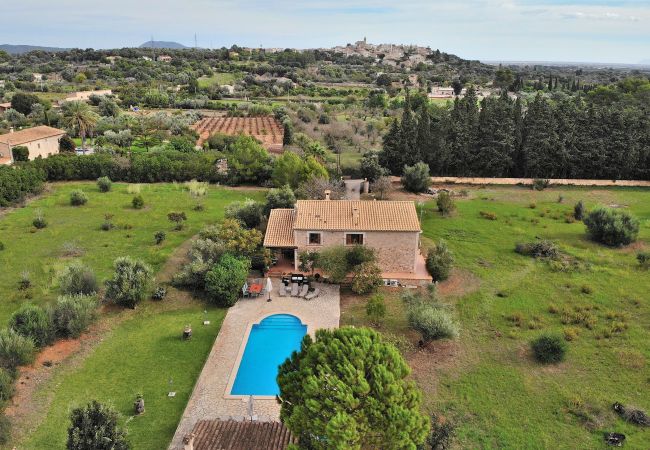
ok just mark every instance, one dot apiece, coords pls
pixel 41 141
pixel 391 228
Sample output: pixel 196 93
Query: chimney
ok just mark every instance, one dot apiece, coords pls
pixel 328 194
pixel 355 215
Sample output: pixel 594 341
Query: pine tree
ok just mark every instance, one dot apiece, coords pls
pixel 540 140
pixel 496 147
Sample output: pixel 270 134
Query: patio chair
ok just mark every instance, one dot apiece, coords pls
pixel 283 290
pixel 312 295
pixel 294 289
pixel 304 291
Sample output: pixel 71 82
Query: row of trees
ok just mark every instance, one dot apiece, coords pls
pixel 567 137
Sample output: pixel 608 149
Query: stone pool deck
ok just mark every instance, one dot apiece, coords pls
pixel 210 398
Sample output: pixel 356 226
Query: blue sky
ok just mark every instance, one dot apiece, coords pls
pixel 540 30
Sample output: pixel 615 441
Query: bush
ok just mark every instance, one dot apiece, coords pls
pixel 376 308
pixel 548 349
pixel 439 261
pixel 159 293
pixel 539 184
pixel 2 246
pixel 488 215
pixel 138 202
pixel 7 387
pixel 224 282
pixel 130 282
pixel 366 278
pixel 579 210
pixel 612 227
pixel 644 259
pixel 25 281
pixel 39 221
pixel 538 249
pixel 78 198
pixel 104 184
pixel 416 178
pixel 73 314
pixel 159 237
pixel 432 322
pixel 359 254
pixel 445 203
pixel 78 279
pixel 15 350
pixel 95 426
pixel 248 213
pixel 66 144
pixel 20 153
pixel 178 218
pixel 441 434
pixel 279 198
pixel 334 262
pixel 32 322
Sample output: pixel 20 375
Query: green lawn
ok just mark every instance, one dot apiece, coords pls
pixel 144 355
pixel 42 253
pixel 142 350
pixel 489 385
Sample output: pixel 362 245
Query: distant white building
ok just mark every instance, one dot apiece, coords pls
pixel 445 92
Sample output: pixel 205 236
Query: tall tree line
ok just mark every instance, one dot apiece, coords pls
pixel 577 136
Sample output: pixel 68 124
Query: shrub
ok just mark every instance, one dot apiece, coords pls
pixel 78 279
pixel 248 213
pixel 33 322
pixel 196 188
pixel 376 308
pixel 644 259
pixel 441 434
pixel 178 218
pixel 432 322
pixel 548 349
pixel 15 349
pixel 579 210
pixel 159 293
pixel 416 178
pixel 104 184
pixel 78 198
pixel 439 261
pixel 633 415
pixel 73 314
pixel 159 237
pixel 571 333
pixel 25 281
pixel 612 227
pixel 224 282
pixel 138 202
pixel 106 225
pixel 488 215
pixel 367 278
pixel 334 261
pixel 20 153
pixel 66 144
pixel 279 198
pixel 95 426
pixel 2 246
pixel 130 282
pixel 203 255
pixel 538 249
pixel 359 254
pixel 39 221
pixel 445 203
pixel 7 387
pixel 539 184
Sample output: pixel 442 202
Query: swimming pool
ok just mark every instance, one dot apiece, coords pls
pixel 269 344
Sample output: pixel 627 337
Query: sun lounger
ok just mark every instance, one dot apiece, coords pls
pixel 312 295
pixel 294 289
pixel 283 290
pixel 304 291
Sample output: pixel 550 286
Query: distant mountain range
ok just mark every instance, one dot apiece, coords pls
pixel 162 44
pixel 20 49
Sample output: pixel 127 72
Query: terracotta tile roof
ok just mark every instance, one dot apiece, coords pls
pixel 356 215
pixel 231 435
pixel 279 231
pixel 30 135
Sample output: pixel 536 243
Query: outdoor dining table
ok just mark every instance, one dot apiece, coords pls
pixel 255 289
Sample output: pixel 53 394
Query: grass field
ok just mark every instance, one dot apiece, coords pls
pixel 487 383
pixel 219 78
pixel 42 253
pixel 142 350
pixel 144 355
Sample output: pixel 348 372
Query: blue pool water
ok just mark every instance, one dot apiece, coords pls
pixel 269 344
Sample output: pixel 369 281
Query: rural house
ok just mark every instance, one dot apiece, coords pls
pixel 41 141
pixel 391 228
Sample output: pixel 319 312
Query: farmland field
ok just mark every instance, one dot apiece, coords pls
pixel 487 383
pixel 219 78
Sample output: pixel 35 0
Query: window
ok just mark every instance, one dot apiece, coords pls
pixel 314 239
pixel 354 239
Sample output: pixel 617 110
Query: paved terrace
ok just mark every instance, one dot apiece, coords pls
pixel 210 398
